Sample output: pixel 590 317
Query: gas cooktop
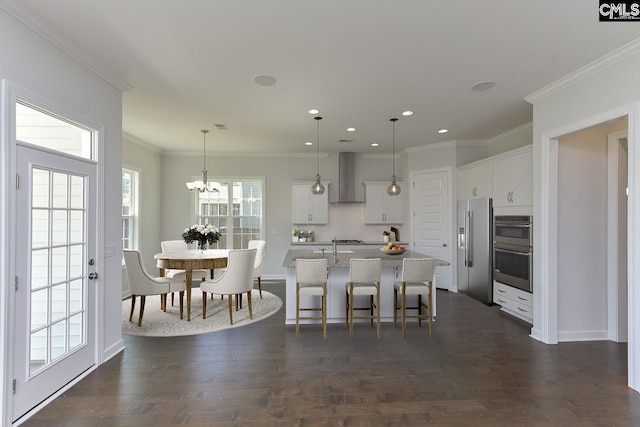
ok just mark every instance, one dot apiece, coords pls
pixel 349 242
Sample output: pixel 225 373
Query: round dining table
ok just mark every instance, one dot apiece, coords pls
pixel 190 260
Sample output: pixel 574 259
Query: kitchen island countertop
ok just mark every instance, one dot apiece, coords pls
pixel 343 259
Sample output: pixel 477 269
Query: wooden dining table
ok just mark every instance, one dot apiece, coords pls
pixel 190 260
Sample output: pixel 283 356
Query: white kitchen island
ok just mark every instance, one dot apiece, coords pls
pixel 339 275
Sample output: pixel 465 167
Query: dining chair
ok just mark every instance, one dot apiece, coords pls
pixel 417 279
pixel 311 279
pixel 180 246
pixel 364 279
pixel 259 246
pixel 142 284
pixel 236 279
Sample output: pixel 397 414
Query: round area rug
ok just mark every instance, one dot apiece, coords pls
pixel 157 323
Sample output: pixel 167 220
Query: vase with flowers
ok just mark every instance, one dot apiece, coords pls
pixel 203 234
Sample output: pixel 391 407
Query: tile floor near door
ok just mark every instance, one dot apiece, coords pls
pixel 480 368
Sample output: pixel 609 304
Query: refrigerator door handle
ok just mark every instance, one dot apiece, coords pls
pixel 469 254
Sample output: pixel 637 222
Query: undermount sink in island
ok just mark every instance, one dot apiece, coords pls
pixel 339 275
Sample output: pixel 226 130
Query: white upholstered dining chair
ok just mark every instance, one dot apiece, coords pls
pixel 142 284
pixel 236 279
pixel 259 246
pixel 417 279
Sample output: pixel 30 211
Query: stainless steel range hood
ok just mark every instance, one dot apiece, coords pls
pixel 346 179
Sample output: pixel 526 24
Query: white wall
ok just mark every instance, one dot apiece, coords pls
pixel 582 234
pixel 600 92
pixel 31 62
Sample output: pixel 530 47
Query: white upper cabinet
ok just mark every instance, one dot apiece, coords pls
pixel 513 179
pixel 309 208
pixel 475 182
pixel 380 207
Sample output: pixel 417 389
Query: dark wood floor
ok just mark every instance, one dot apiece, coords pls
pixel 480 368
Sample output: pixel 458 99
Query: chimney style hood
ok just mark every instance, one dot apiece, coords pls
pixel 346 179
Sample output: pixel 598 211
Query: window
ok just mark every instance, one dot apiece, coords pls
pixel 129 209
pixel 46 130
pixel 236 210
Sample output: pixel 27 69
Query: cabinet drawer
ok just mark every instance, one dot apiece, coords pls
pixel 521 310
pixel 505 291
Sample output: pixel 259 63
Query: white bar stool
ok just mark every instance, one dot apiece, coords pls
pixel 364 279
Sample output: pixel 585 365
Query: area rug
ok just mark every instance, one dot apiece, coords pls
pixel 157 323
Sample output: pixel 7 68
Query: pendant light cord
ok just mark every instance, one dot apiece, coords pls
pixel 393 150
pixel 204 149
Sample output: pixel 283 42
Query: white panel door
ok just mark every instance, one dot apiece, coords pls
pixel 432 220
pixel 55 299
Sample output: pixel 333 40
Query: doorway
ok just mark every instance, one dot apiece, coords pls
pixel 584 243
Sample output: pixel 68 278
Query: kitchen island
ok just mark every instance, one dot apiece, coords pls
pixel 339 275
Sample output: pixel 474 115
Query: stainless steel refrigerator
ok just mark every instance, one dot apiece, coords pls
pixel 475 266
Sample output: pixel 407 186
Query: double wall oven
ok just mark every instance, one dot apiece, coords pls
pixel 512 251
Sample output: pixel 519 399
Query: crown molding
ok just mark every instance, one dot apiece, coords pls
pixel 25 15
pixel 588 70
pixel 511 133
pixel 446 144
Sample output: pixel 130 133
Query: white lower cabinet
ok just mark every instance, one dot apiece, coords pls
pixel 514 301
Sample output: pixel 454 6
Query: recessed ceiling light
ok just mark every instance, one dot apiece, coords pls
pixel 374 144
pixel 314 111
pixel 407 113
pixel 443 131
pixel 264 80
pixel 351 129
pixel 482 86
pixel 308 143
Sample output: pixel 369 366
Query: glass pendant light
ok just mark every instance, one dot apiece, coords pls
pixel 394 189
pixel 317 187
pixel 203 185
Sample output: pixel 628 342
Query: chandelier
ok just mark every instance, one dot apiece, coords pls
pixel 204 184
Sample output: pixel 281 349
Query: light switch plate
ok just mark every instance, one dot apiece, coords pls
pixel 109 250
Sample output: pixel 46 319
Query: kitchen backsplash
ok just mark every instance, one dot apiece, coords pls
pixel 346 221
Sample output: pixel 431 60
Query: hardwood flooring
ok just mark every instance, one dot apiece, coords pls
pixel 480 368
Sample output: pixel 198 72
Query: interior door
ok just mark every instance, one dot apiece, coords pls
pixel 432 220
pixel 54 299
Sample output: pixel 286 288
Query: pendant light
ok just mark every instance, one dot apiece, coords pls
pixel 317 187
pixel 203 185
pixel 394 189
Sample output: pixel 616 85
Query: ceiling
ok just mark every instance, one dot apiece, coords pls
pixel 190 65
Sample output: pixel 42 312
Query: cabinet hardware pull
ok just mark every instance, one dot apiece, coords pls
pixel 502 290
pixel 522 310
pixel 521 299
pixel 503 302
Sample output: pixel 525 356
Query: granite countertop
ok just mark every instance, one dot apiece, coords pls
pixel 343 259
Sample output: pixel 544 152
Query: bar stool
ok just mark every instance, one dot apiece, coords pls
pixel 311 279
pixel 364 279
pixel 417 279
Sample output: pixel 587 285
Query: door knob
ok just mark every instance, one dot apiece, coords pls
pixel 93 276
pixel 444 245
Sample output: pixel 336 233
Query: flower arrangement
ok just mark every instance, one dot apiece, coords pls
pixel 202 234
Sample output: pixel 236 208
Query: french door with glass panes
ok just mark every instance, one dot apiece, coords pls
pixel 55 262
